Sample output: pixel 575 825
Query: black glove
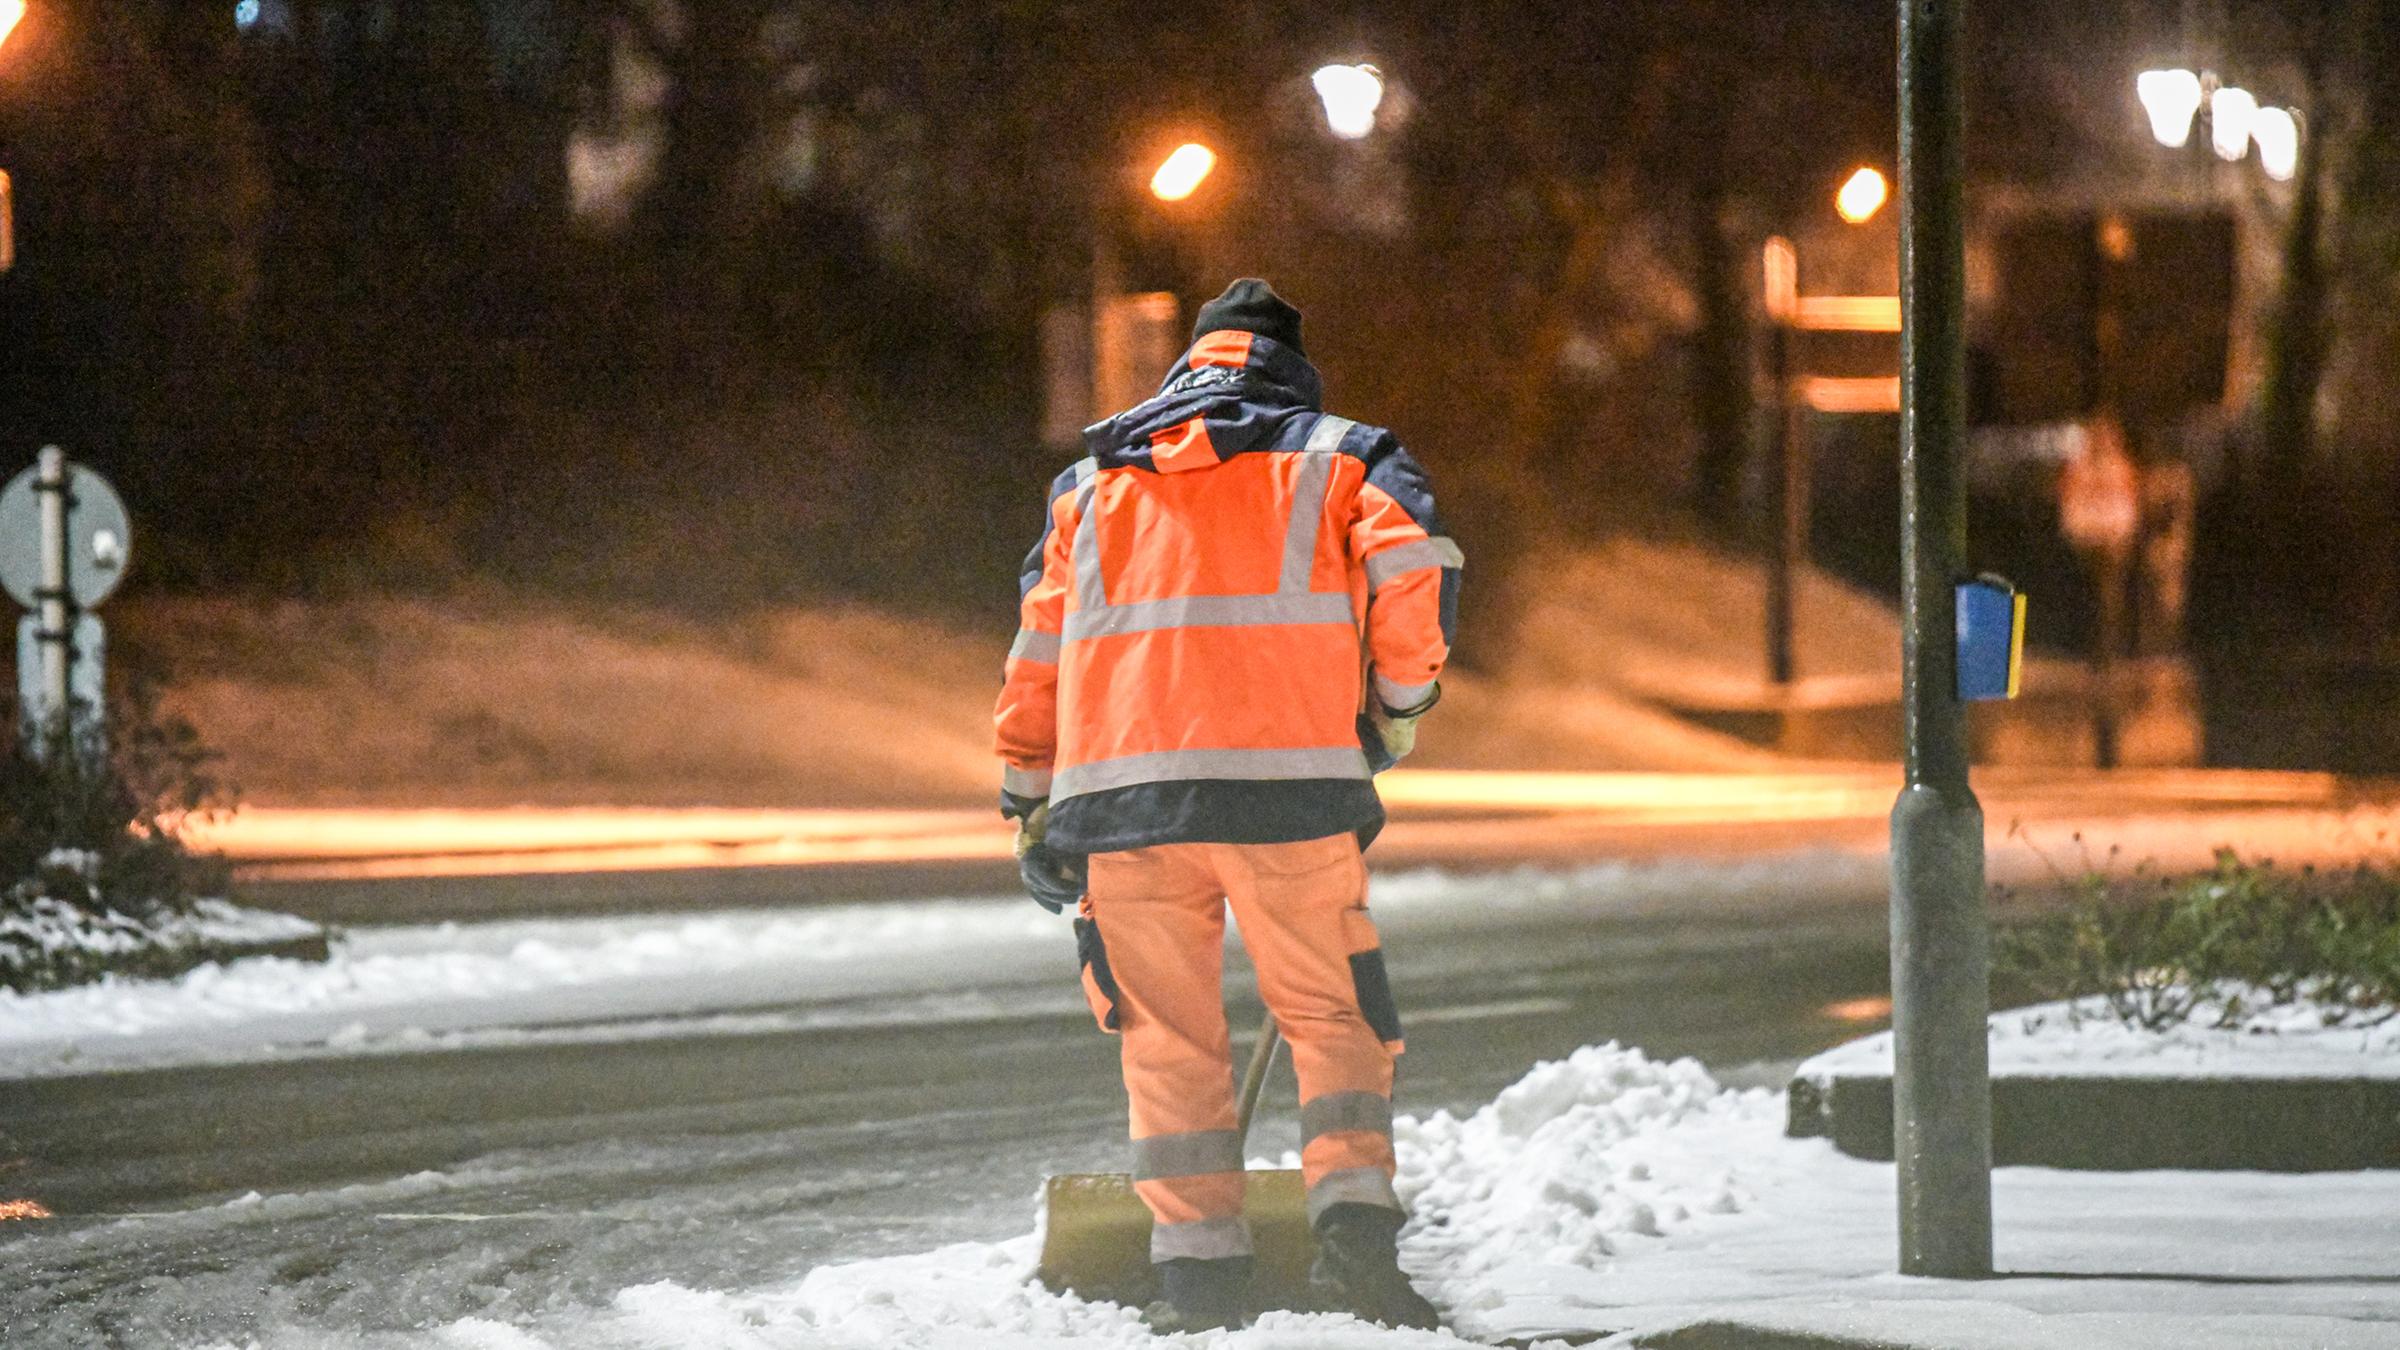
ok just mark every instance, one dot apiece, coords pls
pixel 1055 880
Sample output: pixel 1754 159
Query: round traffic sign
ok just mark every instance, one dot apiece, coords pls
pixel 99 537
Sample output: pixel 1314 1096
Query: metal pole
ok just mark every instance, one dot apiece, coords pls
pixel 57 637
pixel 2109 566
pixel 1941 996
pixel 1782 561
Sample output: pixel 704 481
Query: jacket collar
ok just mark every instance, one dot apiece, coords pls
pixel 1243 389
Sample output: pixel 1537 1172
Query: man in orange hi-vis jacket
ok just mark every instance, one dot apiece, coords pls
pixel 1234 618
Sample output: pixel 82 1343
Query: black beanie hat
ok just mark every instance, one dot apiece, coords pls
pixel 1251 306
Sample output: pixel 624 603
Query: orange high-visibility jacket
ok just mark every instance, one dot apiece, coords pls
pixel 1220 584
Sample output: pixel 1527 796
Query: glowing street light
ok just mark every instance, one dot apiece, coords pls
pixel 12 12
pixel 2277 134
pixel 1351 94
pixel 1181 174
pixel 2230 113
pixel 1862 196
pixel 2172 99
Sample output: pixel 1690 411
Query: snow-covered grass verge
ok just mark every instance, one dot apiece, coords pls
pixel 47 943
pixel 2084 1038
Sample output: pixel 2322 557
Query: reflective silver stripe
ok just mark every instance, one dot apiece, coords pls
pixel 1085 468
pixel 1207 1239
pixel 1186 1155
pixel 1308 502
pixel 1025 782
pixel 1401 697
pixel 1089 594
pixel 1208 611
pixel 1371 1111
pixel 1032 645
pixel 1414 556
pixel 1354 1186
pixel 1168 766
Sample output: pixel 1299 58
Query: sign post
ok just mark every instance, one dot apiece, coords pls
pixel 1941 995
pixel 64 543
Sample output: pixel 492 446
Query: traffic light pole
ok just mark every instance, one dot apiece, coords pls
pixel 1941 997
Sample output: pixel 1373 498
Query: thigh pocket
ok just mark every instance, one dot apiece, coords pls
pixel 1099 985
pixel 1368 980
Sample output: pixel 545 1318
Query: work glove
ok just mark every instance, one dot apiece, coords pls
pixel 1055 880
pixel 1387 735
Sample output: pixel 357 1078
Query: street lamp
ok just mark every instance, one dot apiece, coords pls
pixel 2230 112
pixel 2171 98
pixel 1351 94
pixel 1181 173
pixel 1861 196
pixel 2277 134
pixel 1130 334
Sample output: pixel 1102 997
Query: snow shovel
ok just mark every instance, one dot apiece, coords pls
pixel 1096 1231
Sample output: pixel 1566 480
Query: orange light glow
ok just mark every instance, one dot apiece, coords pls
pixel 1782 264
pixel 1862 196
pixel 296 845
pixel 1858 1010
pixel 12 12
pixel 24 1209
pixel 1183 172
pixel 1870 395
pixel 1848 313
pixel 272 843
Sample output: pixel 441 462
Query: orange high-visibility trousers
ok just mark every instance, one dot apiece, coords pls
pixel 1302 908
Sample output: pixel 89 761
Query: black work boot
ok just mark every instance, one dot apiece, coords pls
pixel 1358 1268
pixel 1200 1295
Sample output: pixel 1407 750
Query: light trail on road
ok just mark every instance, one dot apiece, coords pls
pixel 1477 814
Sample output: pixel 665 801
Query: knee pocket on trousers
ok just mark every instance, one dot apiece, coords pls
pixel 1369 981
pixel 1374 989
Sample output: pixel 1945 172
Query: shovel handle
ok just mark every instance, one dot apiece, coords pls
pixel 1254 1080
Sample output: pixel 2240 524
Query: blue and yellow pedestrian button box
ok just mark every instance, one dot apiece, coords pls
pixel 1991 638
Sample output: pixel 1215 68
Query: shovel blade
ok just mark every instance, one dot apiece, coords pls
pixel 1096 1239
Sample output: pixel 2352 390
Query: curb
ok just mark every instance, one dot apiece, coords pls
pixel 1730 1335
pixel 2138 1123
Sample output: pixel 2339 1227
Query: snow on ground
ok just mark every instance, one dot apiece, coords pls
pixel 440 986
pixel 1613 1197
pixel 2081 1037
pixel 49 941
pixel 429 986
pixel 1577 1159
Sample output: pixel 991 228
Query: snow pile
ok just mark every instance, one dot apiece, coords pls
pixel 1565 1166
pixel 46 942
pixel 2080 1037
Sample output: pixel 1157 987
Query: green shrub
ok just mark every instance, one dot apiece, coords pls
pixel 2219 948
pixel 101 828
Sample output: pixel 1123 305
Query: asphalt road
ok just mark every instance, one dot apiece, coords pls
pixel 414 1189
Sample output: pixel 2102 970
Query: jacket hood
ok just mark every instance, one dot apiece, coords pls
pixel 1232 392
